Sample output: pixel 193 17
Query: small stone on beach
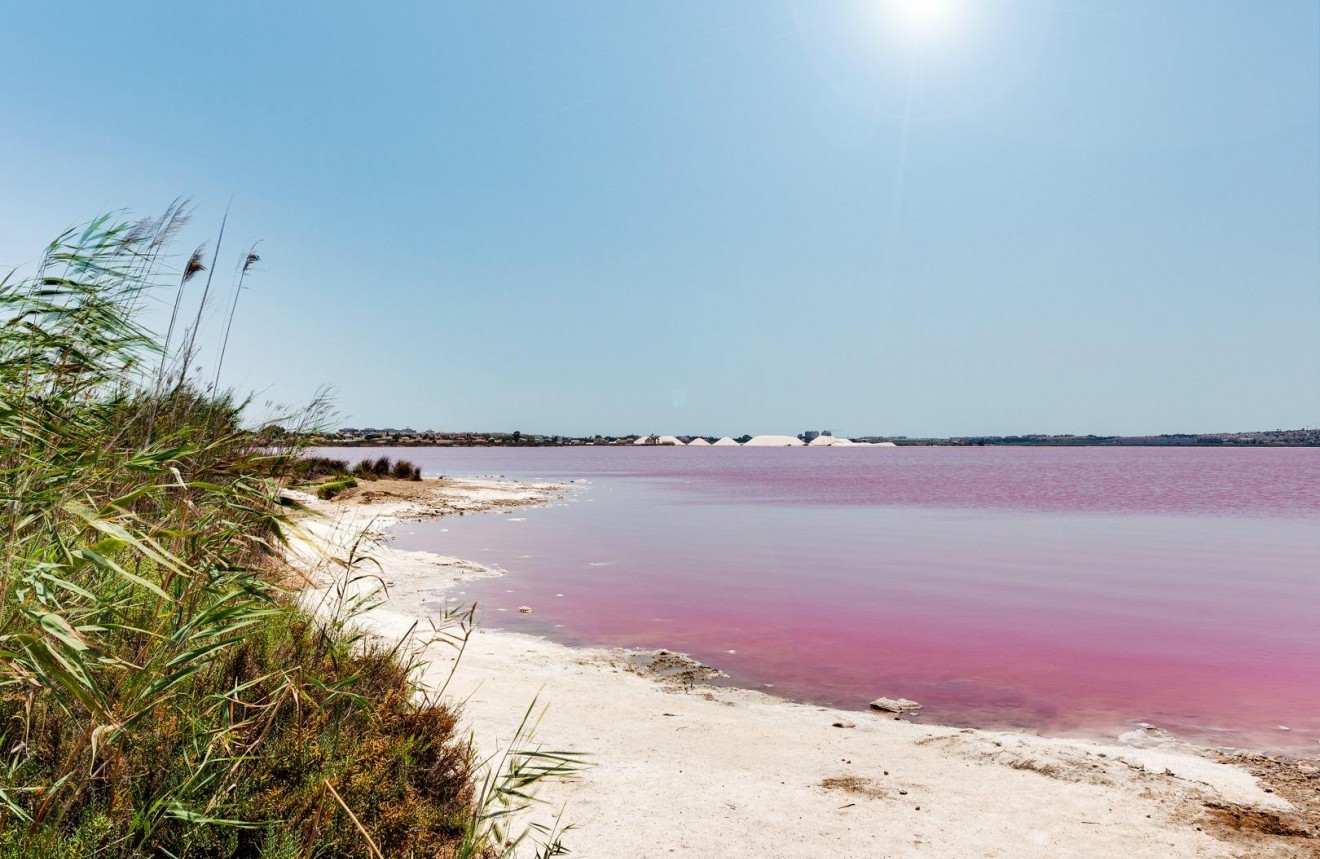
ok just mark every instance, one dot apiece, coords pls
pixel 895 705
pixel 844 725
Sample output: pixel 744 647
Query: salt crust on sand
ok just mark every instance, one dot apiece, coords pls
pixel 705 771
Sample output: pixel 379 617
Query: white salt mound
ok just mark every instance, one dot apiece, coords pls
pixel 698 442
pixel 669 439
pixel 726 442
pixel 646 439
pixel 774 441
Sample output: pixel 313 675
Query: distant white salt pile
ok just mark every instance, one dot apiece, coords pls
pixel 832 441
pixel 670 440
pixel 884 444
pixel 646 439
pixel 698 442
pixel 726 442
pixel 774 441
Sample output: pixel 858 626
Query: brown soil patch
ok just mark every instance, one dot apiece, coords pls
pixel 1254 821
pixel 385 490
pixel 1045 769
pixel 855 785
pixel 669 667
pixel 432 497
pixel 1293 833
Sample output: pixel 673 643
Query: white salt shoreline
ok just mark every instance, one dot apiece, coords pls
pixel 726 772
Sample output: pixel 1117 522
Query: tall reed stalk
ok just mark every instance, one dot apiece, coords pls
pixel 190 350
pixel 250 259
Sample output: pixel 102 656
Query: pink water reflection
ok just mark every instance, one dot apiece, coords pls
pixel 1063 590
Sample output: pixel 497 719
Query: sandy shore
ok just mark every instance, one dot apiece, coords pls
pixel 689 770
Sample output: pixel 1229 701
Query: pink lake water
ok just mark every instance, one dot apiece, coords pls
pixel 1063 590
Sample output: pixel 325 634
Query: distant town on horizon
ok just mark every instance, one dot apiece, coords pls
pixel 409 437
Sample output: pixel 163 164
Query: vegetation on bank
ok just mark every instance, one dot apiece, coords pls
pixel 329 476
pixel 160 695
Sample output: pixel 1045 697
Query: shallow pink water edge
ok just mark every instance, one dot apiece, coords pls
pixel 1063 591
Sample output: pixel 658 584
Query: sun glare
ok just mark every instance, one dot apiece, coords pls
pixel 924 18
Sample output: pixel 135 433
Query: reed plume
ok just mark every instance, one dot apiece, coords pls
pixel 248 261
pixel 188 351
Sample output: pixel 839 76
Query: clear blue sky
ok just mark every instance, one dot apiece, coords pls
pixel 695 217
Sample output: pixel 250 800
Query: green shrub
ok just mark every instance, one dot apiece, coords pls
pixel 309 467
pixel 327 491
pixel 405 470
pixel 382 468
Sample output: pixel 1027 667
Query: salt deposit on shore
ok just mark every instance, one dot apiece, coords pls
pixel 684 769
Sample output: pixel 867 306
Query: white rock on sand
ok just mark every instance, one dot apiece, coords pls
pixel 895 705
pixel 773 441
pixel 706 771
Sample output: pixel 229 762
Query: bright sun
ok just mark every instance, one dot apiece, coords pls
pixel 924 18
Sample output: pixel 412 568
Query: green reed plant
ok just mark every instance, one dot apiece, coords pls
pixel 159 694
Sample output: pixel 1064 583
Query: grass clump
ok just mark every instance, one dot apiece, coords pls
pixel 331 488
pixel 311 467
pixel 383 468
pixel 159 695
